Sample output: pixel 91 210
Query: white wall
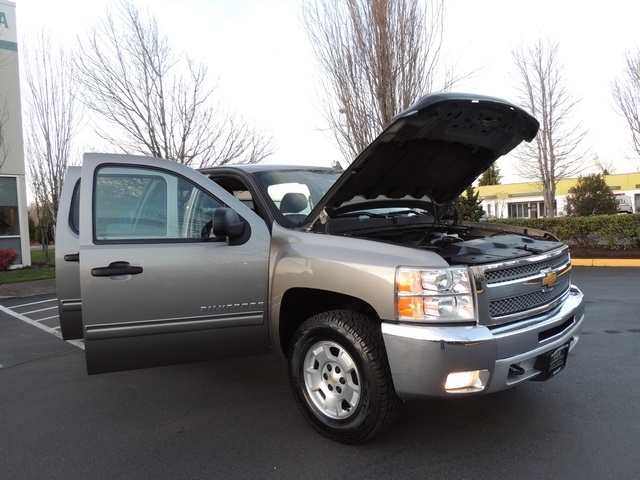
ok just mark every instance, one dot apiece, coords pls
pixel 12 157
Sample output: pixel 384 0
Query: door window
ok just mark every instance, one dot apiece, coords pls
pixel 144 204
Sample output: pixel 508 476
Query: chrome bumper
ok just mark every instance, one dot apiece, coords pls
pixel 421 357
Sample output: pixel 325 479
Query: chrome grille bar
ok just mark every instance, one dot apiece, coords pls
pixel 529 301
pixel 523 271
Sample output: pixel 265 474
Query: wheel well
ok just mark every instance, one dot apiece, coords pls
pixel 299 304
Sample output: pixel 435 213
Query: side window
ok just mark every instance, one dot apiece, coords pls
pixel 239 189
pixel 140 204
pixel 74 211
pixel 197 209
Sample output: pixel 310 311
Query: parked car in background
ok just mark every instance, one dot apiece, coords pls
pixel 625 204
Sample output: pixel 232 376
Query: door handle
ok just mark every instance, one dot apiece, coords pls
pixel 116 268
pixel 72 257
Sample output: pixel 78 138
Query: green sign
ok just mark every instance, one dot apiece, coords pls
pixel 8 39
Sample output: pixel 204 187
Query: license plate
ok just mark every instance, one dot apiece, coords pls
pixel 551 363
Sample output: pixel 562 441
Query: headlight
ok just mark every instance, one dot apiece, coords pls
pixel 435 295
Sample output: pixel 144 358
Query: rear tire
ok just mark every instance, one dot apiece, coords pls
pixel 340 378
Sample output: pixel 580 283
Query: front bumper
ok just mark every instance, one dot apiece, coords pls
pixel 421 357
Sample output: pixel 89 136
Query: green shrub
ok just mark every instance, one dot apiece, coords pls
pixel 591 196
pixel 615 232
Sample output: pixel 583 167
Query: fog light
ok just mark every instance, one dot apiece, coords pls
pixel 466 382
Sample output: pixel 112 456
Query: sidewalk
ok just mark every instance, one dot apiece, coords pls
pixel 27 289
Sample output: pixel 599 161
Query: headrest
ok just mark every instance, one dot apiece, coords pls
pixel 293 202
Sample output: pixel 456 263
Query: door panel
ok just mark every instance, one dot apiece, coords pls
pixel 67 258
pixel 154 292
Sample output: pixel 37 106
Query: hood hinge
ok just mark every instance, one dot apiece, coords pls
pixel 323 216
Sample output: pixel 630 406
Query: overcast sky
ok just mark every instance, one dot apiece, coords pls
pixel 258 51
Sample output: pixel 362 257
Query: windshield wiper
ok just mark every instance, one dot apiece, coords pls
pixel 419 212
pixel 362 214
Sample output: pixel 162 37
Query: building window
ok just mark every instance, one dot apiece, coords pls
pixel 518 210
pixel 9 221
pixel 526 210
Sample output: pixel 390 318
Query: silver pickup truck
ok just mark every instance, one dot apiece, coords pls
pixel 364 280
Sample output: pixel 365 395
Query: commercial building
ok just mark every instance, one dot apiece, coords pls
pixel 14 223
pixel 525 200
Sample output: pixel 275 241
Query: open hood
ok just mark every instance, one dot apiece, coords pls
pixel 430 154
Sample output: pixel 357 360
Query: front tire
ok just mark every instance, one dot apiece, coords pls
pixel 340 378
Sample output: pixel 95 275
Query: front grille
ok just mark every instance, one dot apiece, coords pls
pixel 519 289
pixel 529 301
pixel 524 271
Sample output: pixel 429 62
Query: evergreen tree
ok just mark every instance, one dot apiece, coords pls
pixel 468 205
pixel 491 176
pixel 591 196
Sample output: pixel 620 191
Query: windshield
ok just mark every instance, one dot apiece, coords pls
pixel 296 192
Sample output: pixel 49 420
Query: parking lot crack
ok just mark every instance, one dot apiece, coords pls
pixel 38 359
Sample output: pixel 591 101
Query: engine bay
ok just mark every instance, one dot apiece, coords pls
pixel 466 244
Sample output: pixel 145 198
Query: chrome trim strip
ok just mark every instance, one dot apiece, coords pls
pixel 562 269
pixel 479 270
pixel 174 325
pixel 462 335
pixel 71 305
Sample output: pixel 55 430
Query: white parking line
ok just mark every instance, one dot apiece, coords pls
pixel 75 343
pixel 47 318
pixel 40 310
pixel 36 303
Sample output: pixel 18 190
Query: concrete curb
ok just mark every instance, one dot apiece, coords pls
pixel 605 262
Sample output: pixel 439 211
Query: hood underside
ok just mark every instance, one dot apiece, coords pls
pixel 430 154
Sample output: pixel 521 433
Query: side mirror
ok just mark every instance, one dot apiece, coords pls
pixel 227 223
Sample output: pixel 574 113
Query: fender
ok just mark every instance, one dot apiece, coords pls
pixel 362 269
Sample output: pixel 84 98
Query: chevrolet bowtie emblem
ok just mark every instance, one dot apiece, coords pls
pixel 549 279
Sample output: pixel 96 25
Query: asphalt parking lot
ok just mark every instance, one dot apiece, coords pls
pixel 236 419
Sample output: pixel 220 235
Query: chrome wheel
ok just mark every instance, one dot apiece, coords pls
pixel 331 380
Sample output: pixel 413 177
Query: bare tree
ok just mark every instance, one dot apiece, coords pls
pixel 555 154
pixel 626 95
pixel 134 81
pixel 377 57
pixel 51 113
pixel 605 167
